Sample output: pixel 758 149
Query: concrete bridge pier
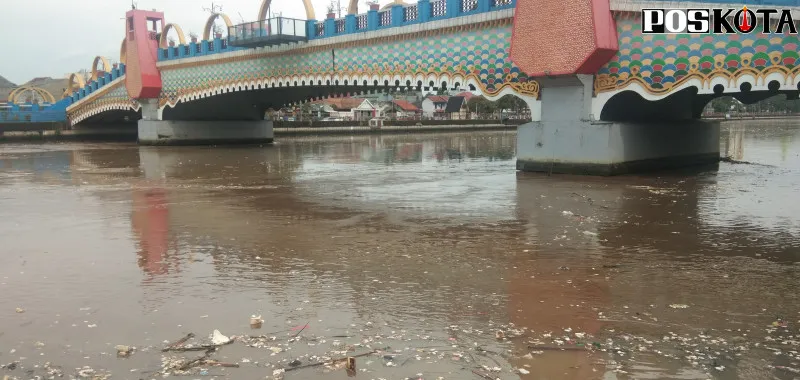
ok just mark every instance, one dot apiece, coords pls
pixel 570 140
pixel 153 129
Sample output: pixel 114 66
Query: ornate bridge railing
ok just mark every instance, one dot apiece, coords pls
pixel 263 33
pixel 32 113
pixel 102 81
pixel 402 15
pixel 272 31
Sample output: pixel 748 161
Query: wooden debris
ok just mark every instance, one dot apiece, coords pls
pixel 197 361
pixel 178 343
pixel 483 375
pixel 331 361
pixel 351 366
pixel 178 346
pixel 559 348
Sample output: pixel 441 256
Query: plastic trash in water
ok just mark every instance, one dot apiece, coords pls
pixel 217 338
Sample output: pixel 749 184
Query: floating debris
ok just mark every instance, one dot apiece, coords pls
pixel 256 321
pixel 124 351
pixel 218 339
pixel 87 372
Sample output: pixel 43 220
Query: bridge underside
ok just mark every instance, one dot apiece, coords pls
pixel 632 133
pixel 228 117
pixel 253 104
pixel 681 105
pixel 112 117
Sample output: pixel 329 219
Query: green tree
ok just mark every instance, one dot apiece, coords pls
pixel 510 102
pixel 482 106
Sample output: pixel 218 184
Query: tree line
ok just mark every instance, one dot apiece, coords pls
pixel 775 104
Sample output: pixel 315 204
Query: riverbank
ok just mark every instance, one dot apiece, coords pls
pixel 129 133
pixel 389 129
pixel 116 133
pixel 777 117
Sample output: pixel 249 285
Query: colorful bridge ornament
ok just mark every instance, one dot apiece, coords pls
pixel 476 53
pixel 469 50
pixel 113 96
pixel 659 63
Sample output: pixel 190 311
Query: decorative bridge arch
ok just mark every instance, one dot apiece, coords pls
pixel 164 41
pixel 262 12
pixel 75 82
pixel 99 96
pixel 113 97
pixel 123 52
pixel 106 67
pixel 352 8
pixel 209 27
pixel 472 53
pixel 17 95
pixel 658 66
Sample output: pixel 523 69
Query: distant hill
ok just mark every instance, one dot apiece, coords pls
pixel 5 87
pixel 5 83
pixel 54 85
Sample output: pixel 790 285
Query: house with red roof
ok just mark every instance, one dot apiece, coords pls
pixel 402 109
pixel 466 95
pixel 434 106
pixel 347 108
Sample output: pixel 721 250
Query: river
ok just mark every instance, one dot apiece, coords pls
pixel 430 248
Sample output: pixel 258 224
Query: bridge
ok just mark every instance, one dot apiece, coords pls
pixel 604 97
pixel 29 106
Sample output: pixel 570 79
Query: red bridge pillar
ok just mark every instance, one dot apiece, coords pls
pixel 562 44
pixel 143 82
pixel 142 29
pixel 563 37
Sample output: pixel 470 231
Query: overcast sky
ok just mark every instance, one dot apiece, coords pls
pixel 57 37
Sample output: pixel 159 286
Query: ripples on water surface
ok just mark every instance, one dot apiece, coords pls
pixel 395 239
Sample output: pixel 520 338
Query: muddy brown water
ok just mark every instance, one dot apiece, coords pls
pixel 423 245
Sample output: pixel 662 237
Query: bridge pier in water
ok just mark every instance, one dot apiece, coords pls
pixel 183 132
pixel 569 139
pixel 154 130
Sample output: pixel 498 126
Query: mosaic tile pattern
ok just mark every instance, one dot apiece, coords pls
pixel 661 62
pixel 479 52
pixel 114 98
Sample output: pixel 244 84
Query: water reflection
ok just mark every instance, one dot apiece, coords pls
pixel 54 165
pixel 558 282
pixel 150 224
pixel 735 142
pixel 415 233
pixel 440 182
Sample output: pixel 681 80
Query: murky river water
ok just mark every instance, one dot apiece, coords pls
pixel 422 246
